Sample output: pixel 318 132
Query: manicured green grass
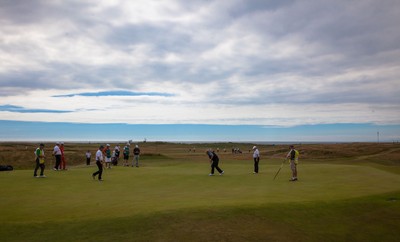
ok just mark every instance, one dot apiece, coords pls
pixel 170 200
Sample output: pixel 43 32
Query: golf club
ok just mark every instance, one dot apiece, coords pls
pixel 279 169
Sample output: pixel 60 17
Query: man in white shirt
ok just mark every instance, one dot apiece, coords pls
pixel 256 157
pixel 99 163
pixel 57 154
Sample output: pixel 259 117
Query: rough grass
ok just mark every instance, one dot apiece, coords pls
pixel 171 198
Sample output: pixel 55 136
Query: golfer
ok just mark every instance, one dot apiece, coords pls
pixel 57 154
pixel 293 156
pixel 136 154
pixel 256 158
pixel 39 153
pixel 99 163
pixel 214 160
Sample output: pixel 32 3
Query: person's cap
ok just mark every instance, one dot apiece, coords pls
pixel 137 146
pixel 108 145
pixel 62 143
pixel 254 147
pixel 41 144
pixel 57 143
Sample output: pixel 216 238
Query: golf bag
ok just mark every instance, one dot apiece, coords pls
pixel 114 161
pixel 6 168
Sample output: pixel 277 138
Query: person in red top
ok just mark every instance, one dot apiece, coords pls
pixel 62 164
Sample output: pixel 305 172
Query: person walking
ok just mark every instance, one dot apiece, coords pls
pixel 126 154
pixel 88 157
pixel 57 154
pixel 293 156
pixel 256 158
pixel 136 154
pixel 39 153
pixel 214 160
pixel 99 163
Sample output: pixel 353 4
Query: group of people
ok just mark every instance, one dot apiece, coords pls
pixel 214 161
pixel 58 153
pixel 105 155
pixel 292 156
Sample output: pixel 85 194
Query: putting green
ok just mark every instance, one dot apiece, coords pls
pixel 167 186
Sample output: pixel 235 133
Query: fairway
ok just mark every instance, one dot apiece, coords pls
pixel 157 187
pixel 172 198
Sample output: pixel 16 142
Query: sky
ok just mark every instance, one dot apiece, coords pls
pixel 316 69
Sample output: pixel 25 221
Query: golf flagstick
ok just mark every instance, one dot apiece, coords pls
pixel 279 169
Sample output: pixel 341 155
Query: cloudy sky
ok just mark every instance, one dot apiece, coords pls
pixel 268 63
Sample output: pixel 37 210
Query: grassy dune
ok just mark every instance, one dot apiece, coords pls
pixel 348 196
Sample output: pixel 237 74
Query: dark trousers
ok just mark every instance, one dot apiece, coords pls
pixel 256 161
pixel 38 165
pixel 214 164
pixel 87 161
pixel 58 161
pixel 100 171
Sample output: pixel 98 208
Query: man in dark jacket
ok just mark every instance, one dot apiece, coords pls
pixel 214 160
pixel 136 154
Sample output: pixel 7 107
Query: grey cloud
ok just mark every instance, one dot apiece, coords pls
pixel 359 34
pixel 243 8
pixel 23 12
pixel 162 38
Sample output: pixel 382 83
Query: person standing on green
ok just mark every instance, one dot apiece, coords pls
pixel 39 153
pixel 293 156
pixel 126 154
pixel 107 154
pixel 88 156
pixel 136 154
pixel 57 155
pixel 256 157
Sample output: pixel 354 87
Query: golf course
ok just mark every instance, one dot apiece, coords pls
pixel 345 192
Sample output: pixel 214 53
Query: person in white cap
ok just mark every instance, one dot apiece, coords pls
pixel 107 155
pixel 256 157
